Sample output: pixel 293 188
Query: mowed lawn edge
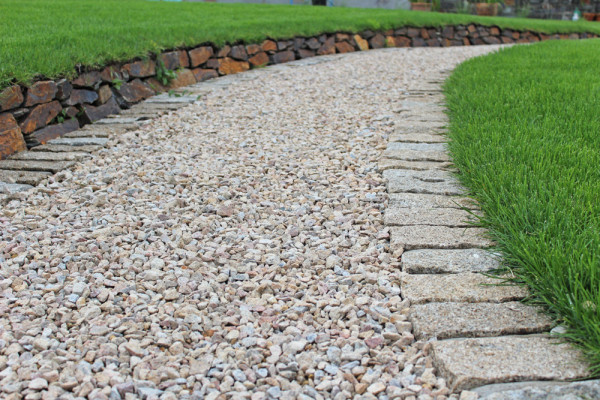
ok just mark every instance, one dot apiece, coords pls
pixel 524 126
pixel 50 38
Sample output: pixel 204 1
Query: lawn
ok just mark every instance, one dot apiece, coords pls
pixel 50 37
pixel 525 135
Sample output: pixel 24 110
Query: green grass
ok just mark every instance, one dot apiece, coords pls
pixel 525 135
pixel 48 38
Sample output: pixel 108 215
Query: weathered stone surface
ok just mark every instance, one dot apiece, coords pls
pixel 200 55
pixel 135 91
pixel 224 51
pixel 10 188
pixel 11 139
pixel 344 47
pixel 454 320
pixel 417 151
pixel 40 92
pixel 361 43
pixel 313 44
pixel 88 80
pixel 401 41
pixel 50 156
pixel 400 216
pixel 40 116
pixel 51 132
pixel 77 142
pixel 81 96
pixel 140 69
pixel 28 165
pixel 269 45
pixel 252 49
pixel 465 287
pixel 23 177
pixel 390 163
pixel 175 59
pixel 328 47
pixel 432 261
pixel 104 94
pixel 540 391
pixel 259 59
pixel 94 130
pixel 229 66
pixel 91 114
pixel 202 75
pixel 468 363
pixel 184 77
pixel 63 89
pixel 377 41
pixel 112 73
pixel 239 53
pixel 424 147
pixel 63 148
pixel 418 138
pixel 416 200
pixel 431 181
pixel 10 98
pixel 304 53
pixel 283 57
pixel 438 237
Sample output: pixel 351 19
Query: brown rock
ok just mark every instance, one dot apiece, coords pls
pixel 418 42
pixel 299 43
pixel 259 60
pixel 185 77
pixel 213 63
pixel 239 53
pixel 283 57
pixel 81 96
pixel 342 37
pixel 252 49
pixel 328 47
pixel 112 73
pixel 70 112
pixel 491 40
pixel 11 139
pixel 313 44
pixel 361 43
pixel 507 40
pixel 402 41
pixel 230 66
pixel 448 32
pixel 10 98
pixel 204 74
pixel 52 132
pixel 413 33
pixel 91 114
pixel 140 69
pixel 284 44
pixel 40 116
pixel 40 92
pixel 63 89
pixel 104 93
pixel 175 59
pixel 303 53
pixel 344 47
pixel 200 55
pixel 269 45
pixel 224 51
pixel 135 91
pixel 425 34
pixel 87 80
pixel 494 31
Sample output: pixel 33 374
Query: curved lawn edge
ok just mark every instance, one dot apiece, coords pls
pixel 50 38
pixel 523 131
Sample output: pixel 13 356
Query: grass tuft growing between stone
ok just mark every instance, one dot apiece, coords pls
pixel 49 38
pixel 525 135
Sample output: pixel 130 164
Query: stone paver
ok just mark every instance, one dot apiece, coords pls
pixel 34 165
pixel 431 182
pixel 58 148
pixel 453 320
pixel 23 177
pixel 10 188
pixel 417 200
pixel 418 138
pixel 390 163
pixel 432 261
pixel 468 363
pixel 416 155
pixel 453 217
pixel 438 237
pixel 464 287
pixel 586 390
pixel 50 156
pixel 93 141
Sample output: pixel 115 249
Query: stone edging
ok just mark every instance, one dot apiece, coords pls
pixel 46 110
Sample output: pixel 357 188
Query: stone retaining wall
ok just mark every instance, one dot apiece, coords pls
pixel 30 116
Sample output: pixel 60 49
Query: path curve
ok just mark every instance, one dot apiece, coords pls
pixel 233 248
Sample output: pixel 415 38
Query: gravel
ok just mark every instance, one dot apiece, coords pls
pixel 233 249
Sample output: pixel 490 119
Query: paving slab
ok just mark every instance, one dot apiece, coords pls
pixel 438 237
pixel 23 177
pixel 34 165
pixel 464 287
pixel 453 320
pixel 416 155
pixel 390 163
pixel 418 200
pixel 424 147
pixel 468 363
pixel 87 133
pixel 431 181
pixel 431 261
pixel 79 141
pixel 59 148
pixel 166 99
pixel 117 121
pixel 455 217
pixel 418 138
pixel 422 125
pixel 10 188
pixel 49 156
pixel 541 390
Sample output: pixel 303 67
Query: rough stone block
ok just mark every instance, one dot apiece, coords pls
pixel 464 287
pixel 468 363
pixel 229 66
pixel 140 69
pixel 40 92
pixel 283 57
pixel 11 139
pixel 135 91
pixel 344 47
pixel 63 89
pixel 10 98
pixel 112 73
pixel 40 116
pixel 81 96
pixel 260 59
pixel 202 75
pixel 432 261
pixel 361 43
pixel 455 320
pixel 23 177
pixel 92 114
pixel 239 53
pixel 88 80
pixel 313 44
pixel 200 55
pixel 63 148
pixel 252 49
pixel 269 45
pixel 431 182
pixel 418 138
pixel 415 155
pixel 438 237
pixel 50 156
pixel 77 142
pixel 540 391
pixel 328 47
pixel 27 165
pixel 390 163
pixel 377 41
pixel 400 216
pixel 416 200
pixel 10 188
pixel 304 53
pixel 175 59
pixel 51 132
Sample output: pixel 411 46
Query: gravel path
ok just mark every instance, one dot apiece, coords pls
pixel 234 249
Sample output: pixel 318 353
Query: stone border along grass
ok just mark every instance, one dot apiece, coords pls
pixel 46 110
pixel 481 337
